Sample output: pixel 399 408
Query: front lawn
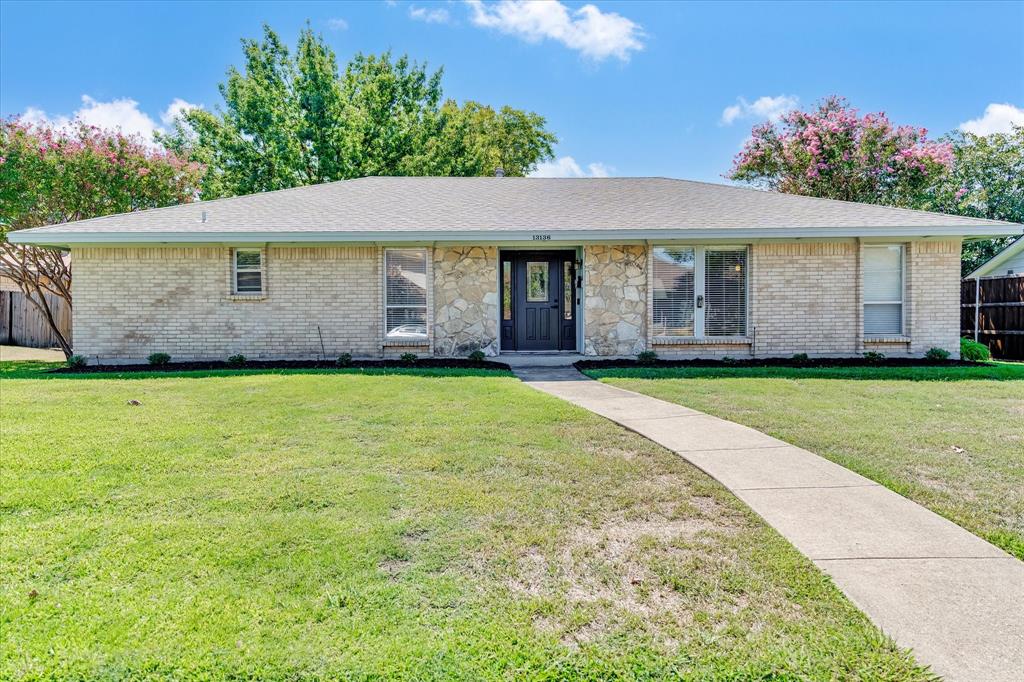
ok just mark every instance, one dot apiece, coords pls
pixel 325 525
pixel 951 438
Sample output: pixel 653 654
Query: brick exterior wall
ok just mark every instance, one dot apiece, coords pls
pixel 130 302
pixel 804 297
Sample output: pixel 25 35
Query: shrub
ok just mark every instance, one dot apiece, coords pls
pixel 236 360
pixel 974 351
pixel 728 360
pixel 159 359
pixel 800 358
pixel 409 358
pixel 874 357
pixel 937 354
pixel 477 356
pixel 77 361
pixel 344 360
pixel 647 357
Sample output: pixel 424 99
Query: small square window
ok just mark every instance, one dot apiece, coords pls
pixel 248 271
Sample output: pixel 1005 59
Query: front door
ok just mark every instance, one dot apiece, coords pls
pixel 539 300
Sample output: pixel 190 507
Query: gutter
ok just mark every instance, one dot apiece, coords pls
pixel 67 238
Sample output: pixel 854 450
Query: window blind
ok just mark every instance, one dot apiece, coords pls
pixel 725 292
pixel 248 271
pixel 883 290
pixel 673 271
pixel 405 293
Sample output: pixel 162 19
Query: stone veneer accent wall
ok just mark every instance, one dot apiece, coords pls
pixel 466 300
pixel 130 302
pixel 804 297
pixel 615 299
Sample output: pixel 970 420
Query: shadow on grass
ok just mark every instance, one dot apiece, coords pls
pixel 995 371
pixel 34 369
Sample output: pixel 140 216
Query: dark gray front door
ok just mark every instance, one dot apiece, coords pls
pixel 541 303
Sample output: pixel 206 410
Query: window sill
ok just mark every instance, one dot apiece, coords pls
pixel 887 339
pixel 701 341
pixel 241 298
pixel 406 343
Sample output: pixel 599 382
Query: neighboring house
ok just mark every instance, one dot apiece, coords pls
pixel 1009 261
pixel 992 303
pixel 442 266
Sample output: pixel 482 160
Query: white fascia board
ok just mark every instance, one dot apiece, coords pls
pixel 65 238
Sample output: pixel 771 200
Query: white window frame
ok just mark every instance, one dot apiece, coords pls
pixel 235 270
pixel 902 302
pixel 699 287
pixel 425 340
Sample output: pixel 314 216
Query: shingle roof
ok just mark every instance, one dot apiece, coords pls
pixel 436 205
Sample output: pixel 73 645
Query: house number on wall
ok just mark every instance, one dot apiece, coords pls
pixel 542 237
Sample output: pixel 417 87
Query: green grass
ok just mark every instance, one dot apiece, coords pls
pixel 408 525
pixel 950 438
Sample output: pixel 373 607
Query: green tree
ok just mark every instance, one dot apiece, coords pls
pixel 296 121
pixel 50 176
pixel 986 181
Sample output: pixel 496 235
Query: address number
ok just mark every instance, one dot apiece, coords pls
pixel 542 237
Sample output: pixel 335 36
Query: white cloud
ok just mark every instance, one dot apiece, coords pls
pixel 567 167
pixel 118 114
pixel 595 34
pixel 765 108
pixel 337 24
pixel 998 118
pixel 438 15
pixel 175 109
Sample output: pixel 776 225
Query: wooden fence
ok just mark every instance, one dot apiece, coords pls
pixel 992 312
pixel 22 324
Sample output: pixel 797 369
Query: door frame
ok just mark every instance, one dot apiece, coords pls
pixel 503 254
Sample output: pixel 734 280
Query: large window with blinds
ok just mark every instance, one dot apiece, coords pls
pixel 699 291
pixel 883 290
pixel 405 294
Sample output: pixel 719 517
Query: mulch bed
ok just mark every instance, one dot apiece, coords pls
pixel 430 363
pixel 778 362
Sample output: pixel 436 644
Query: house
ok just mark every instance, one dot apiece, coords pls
pixel 1009 261
pixel 442 266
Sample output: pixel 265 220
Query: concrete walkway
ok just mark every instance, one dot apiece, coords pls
pixel 933 587
pixel 21 353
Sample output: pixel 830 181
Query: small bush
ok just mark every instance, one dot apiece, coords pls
pixel 409 358
pixel 159 359
pixel 77 361
pixel 236 360
pixel 874 356
pixel 647 357
pixel 937 354
pixel 800 358
pixel 974 351
pixel 477 356
pixel 728 360
pixel 344 360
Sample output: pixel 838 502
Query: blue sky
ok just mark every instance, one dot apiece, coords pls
pixel 630 88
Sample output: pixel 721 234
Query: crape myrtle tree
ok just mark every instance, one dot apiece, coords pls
pixel 54 175
pixel 290 120
pixel 836 153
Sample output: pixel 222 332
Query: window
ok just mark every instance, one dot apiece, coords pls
pixel 700 291
pixel 725 292
pixel 248 271
pixel 506 288
pixel 537 281
pixel 883 290
pixel 673 291
pixel 405 294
